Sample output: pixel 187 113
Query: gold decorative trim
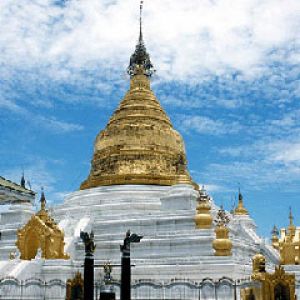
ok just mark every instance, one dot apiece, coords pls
pixel 203 218
pixel 222 244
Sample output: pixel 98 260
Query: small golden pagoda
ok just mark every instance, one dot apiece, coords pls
pixel 288 243
pixel 240 209
pixel 41 233
pixel 203 218
pixel 222 244
pixel 139 144
pixel 269 286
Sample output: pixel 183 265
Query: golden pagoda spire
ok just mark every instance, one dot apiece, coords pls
pixel 291 218
pixel 139 144
pixel 43 200
pixel 140 59
pixel 141 32
pixel 292 227
pixel 241 210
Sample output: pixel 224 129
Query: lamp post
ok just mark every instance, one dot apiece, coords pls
pixel 88 284
pixel 125 264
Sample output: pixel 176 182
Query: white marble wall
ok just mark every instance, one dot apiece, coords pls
pixel 171 248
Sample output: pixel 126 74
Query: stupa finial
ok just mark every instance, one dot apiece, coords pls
pixel 291 217
pixel 292 227
pixel 22 183
pixel 43 199
pixel 240 209
pixel 141 31
pixel 140 60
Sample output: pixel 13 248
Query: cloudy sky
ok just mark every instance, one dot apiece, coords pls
pixel 227 75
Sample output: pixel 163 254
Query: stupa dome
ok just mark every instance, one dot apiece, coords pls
pixel 139 144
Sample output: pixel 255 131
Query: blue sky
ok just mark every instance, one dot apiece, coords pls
pixel 227 75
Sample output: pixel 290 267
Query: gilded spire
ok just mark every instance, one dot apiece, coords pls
pixel 141 31
pixel 291 217
pixel 292 227
pixel 240 210
pixel 275 231
pixel 43 200
pixel 140 58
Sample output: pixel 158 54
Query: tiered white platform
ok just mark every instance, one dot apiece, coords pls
pixel 172 248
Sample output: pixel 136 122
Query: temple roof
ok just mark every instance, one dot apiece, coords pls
pixel 13 193
pixel 14 186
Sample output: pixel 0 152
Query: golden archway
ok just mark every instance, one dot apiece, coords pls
pixel 32 240
pixel 42 234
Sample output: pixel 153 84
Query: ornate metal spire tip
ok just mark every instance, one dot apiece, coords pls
pixel 22 183
pixel 140 57
pixel 291 217
pixel 43 199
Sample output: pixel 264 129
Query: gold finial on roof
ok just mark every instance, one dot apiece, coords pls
pixel 292 227
pixel 291 218
pixel 203 218
pixel 141 32
pixel 241 210
pixel 43 199
pixel 140 57
pixel 222 243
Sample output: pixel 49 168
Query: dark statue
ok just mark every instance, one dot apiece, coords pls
pixel 88 280
pixel 88 240
pixel 125 292
pixel 129 238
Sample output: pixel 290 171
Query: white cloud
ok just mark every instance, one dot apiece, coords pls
pixel 10 105
pixel 57 125
pixel 185 38
pixel 49 123
pixel 205 125
pixel 286 152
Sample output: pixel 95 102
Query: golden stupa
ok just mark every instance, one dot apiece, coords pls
pixel 139 144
